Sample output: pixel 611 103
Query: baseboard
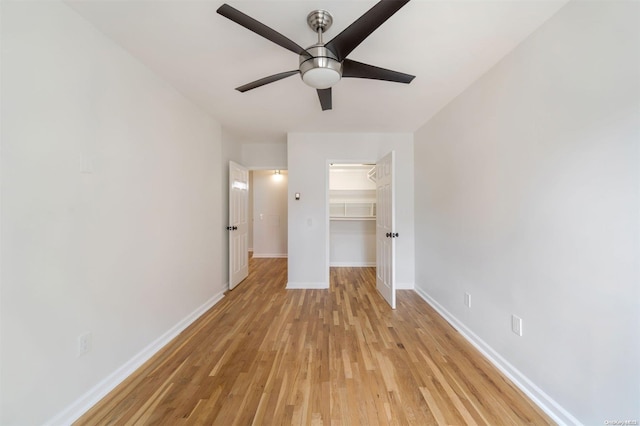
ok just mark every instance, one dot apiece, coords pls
pixel 310 286
pixel 537 395
pixel 404 286
pixel 99 391
pixel 269 255
pixel 352 264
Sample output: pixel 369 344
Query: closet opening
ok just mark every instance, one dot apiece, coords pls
pixel 352 215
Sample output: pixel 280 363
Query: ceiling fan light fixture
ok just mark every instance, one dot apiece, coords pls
pixel 321 78
pixel 322 70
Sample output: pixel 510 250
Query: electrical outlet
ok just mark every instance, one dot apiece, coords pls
pixel 516 324
pixel 84 343
pixel 467 300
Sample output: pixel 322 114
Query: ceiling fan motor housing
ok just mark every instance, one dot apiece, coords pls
pixel 322 70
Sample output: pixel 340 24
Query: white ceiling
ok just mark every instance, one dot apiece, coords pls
pixel 446 44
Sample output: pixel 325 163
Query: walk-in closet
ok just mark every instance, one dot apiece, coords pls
pixel 352 211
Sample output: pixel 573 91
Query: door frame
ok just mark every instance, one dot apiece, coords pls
pixel 252 202
pixel 250 213
pixel 327 241
pixel 328 217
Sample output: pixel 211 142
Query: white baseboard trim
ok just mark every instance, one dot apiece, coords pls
pixel 100 390
pixel 309 286
pixel 537 395
pixel 352 264
pixel 404 286
pixel 269 255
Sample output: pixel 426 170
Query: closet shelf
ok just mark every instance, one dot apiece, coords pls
pixel 343 218
pixel 352 210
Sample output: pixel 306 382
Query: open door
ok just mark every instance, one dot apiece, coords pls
pixel 385 233
pixel 238 224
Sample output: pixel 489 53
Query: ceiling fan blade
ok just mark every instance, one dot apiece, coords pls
pixel 325 98
pixel 359 70
pixel 342 44
pixel 266 80
pixel 261 29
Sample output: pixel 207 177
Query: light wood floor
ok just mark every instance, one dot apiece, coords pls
pixel 266 355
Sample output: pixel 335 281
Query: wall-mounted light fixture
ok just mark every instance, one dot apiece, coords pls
pixel 277 176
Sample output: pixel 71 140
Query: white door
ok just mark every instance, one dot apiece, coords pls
pixel 385 233
pixel 238 224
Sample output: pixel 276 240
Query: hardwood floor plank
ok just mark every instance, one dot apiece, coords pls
pixel 267 355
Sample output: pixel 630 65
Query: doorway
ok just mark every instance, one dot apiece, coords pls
pixel 352 215
pixel 362 219
pixel 257 217
pixel 268 218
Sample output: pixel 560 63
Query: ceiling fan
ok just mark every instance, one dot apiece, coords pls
pixel 323 64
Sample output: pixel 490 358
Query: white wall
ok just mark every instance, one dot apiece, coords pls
pixel 352 243
pixel 269 214
pixel 263 155
pixel 111 185
pixel 309 155
pixel 527 197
